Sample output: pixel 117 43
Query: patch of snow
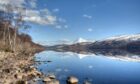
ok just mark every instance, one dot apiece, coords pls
pixel 80 40
pixel 125 37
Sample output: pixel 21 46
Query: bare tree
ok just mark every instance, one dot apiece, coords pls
pixel 9 21
pixel 12 23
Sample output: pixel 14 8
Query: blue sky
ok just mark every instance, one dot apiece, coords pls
pixel 89 19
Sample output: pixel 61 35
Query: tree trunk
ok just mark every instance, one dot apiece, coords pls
pixel 15 37
pixel 9 37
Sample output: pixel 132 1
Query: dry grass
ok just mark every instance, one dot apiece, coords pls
pixel 23 42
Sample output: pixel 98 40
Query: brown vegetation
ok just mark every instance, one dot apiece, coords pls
pixel 23 41
pixel 16 50
pixel 16 55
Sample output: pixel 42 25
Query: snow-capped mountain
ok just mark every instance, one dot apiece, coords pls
pixel 83 41
pixel 123 42
pixel 80 40
pixel 130 43
pixel 132 37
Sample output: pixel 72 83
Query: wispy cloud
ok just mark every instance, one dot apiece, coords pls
pixel 66 26
pixel 90 66
pixel 61 26
pixel 87 16
pixel 90 29
pixel 17 3
pixel 56 10
pixel 62 20
pixel 40 16
pixel 33 3
pixel 58 26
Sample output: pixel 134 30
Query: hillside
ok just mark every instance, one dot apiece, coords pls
pixel 23 42
pixel 129 43
pixel 16 56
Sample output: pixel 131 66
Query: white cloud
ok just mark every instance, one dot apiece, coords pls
pixel 41 16
pixel 31 13
pixel 87 16
pixel 56 10
pixel 33 3
pixel 17 3
pixel 45 11
pixel 62 20
pixel 39 20
pixel 66 26
pixel 51 19
pixel 90 29
pixel 58 26
pixel 90 66
pixel 36 16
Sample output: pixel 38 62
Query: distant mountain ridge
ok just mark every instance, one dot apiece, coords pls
pixel 126 42
pixel 123 41
pixel 132 37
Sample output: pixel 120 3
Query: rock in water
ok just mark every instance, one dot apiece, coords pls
pixel 46 79
pixel 87 82
pixel 72 80
pixel 51 76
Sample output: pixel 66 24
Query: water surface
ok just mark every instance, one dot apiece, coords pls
pixel 98 69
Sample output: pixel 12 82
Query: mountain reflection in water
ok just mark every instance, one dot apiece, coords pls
pixel 98 66
pixel 110 53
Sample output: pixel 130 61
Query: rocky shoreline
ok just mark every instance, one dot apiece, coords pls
pixel 17 68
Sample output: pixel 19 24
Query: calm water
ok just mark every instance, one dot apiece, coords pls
pixel 97 69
